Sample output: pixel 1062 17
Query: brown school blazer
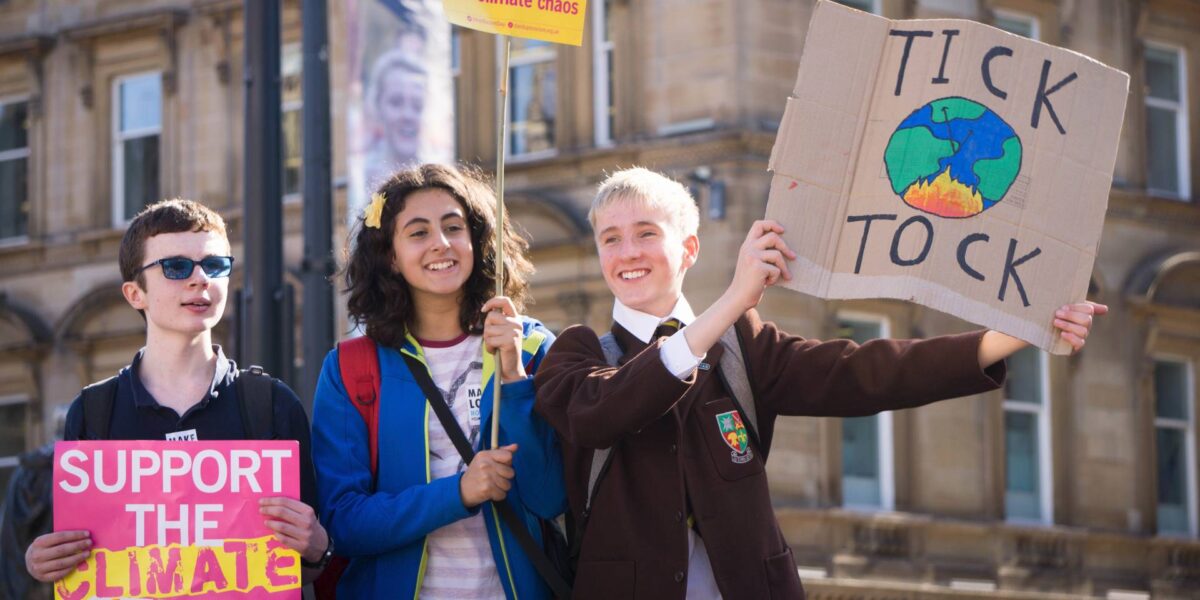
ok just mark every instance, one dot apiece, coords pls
pixel 670 451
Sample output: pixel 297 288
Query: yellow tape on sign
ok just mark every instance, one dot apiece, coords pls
pixel 557 21
pixel 253 568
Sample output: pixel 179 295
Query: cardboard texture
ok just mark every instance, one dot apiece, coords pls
pixel 947 163
pixel 557 21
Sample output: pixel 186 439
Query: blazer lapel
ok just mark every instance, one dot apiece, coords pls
pixel 630 345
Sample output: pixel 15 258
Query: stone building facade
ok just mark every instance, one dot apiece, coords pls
pixel 1079 479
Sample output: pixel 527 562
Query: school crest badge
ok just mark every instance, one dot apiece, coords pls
pixel 733 431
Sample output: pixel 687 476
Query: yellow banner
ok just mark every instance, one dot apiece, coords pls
pixel 255 568
pixel 557 21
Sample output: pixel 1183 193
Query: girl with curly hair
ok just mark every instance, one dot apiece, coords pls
pixel 414 519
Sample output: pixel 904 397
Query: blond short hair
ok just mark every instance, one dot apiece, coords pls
pixel 652 190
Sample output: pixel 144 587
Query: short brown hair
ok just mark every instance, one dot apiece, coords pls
pixel 164 216
pixel 380 299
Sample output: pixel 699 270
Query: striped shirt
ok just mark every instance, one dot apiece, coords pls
pixel 460 557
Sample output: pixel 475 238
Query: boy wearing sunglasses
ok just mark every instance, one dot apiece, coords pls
pixel 175 264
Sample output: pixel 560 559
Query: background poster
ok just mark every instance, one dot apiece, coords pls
pixel 401 104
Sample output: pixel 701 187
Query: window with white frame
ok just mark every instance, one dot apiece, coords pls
pixel 533 97
pixel 12 436
pixel 602 76
pixel 137 129
pixel 1027 467
pixel 1175 446
pixel 1018 23
pixel 1167 171
pixel 291 63
pixel 14 169
pixel 871 6
pixel 868 466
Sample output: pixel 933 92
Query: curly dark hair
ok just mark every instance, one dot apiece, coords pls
pixel 380 298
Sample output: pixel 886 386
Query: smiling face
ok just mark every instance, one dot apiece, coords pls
pixel 401 104
pixel 643 255
pixel 185 307
pixel 431 248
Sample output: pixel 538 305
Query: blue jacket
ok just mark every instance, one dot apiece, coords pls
pixel 382 527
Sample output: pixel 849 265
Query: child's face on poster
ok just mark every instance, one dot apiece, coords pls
pixel 643 255
pixel 186 306
pixel 431 247
pixel 401 105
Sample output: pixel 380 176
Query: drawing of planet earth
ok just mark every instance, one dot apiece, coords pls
pixel 953 157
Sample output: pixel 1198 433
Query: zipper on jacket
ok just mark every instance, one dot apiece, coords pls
pixel 532 341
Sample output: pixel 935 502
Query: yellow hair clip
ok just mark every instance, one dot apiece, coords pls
pixel 374 212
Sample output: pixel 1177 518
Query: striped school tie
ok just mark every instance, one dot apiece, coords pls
pixel 667 328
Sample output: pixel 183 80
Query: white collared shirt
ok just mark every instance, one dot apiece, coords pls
pixel 677 357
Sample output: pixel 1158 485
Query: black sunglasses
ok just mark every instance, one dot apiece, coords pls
pixel 181 267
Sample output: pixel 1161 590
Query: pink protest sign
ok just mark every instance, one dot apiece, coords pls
pixel 176 519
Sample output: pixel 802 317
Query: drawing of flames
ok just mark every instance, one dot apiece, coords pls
pixel 952 157
pixel 944 195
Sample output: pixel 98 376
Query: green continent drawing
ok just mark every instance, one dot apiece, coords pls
pixel 953 157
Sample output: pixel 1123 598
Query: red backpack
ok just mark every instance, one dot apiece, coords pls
pixel 358 364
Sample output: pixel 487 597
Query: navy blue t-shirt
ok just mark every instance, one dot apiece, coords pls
pixel 136 415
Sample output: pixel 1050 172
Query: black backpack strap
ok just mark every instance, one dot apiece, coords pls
pixel 532 549
pixel 601 457
pixel 601 461
pixel 98 400
pixel 255 393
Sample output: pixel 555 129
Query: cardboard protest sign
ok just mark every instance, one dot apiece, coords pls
pixel 176 519
pixel 557 21
pixel 947 163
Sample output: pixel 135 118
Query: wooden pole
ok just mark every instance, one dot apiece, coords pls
pixel 501 146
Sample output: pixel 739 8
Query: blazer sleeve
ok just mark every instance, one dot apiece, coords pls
pixel 538 461
pixel 363 521
pixel 792 375
pixel 592 404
